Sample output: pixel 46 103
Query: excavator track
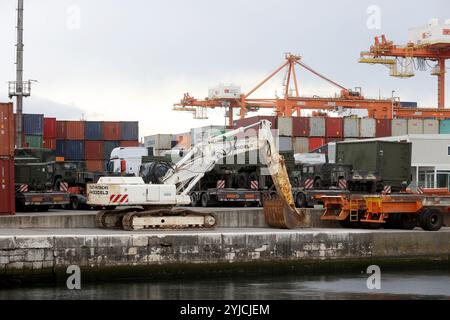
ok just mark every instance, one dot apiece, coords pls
pixel 166 219
pixel 112 219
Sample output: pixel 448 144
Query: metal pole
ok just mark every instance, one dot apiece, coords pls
pixel 19 74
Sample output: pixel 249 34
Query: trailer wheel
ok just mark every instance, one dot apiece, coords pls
pixel 74 203
pixel 205 200
pixel 317 184
pixel 300 200
pixel 194 200
pixel 431 220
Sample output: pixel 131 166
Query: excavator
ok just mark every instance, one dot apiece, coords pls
pixel 131 204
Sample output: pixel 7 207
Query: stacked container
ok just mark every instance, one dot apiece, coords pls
pixel 351 127
pixel 367 128
pixel 444 126
pixel 7 129
pixel 415 126
pixel 383 128
pixel 49 133
pixel 431 126
pixel 33 130
pixel 158 143
pixel 399 127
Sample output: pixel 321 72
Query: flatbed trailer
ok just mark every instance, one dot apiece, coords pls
pixel 229 196
pixel 402 210
pixel 41 200
pixel 307 198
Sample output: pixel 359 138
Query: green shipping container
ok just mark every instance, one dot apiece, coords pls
pixel 390 162
pixel 33 141
pixel 444 127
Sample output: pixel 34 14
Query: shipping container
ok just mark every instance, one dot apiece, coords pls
pixel 129 130
pixel 7 188
pixel 252 120
pixel 129 143
pixel 284 125
pixel 300 126
pixel 284 144
pixel 444 126
pixel 49 143
pixel 111 131
pixel 108 147
pixel 7 130
pixel 61 130
pixel 399 127
pixel 75 130
pixel 367 128
pixel 199 135
pixel 315 143
pixel 74 150
pixel 60 148
pixel 33 141
pixel 351 127
pixel 184 141
pixel 334 127
pixel 317 127
pixel 93 130
pixel 300 145
pixel 431 126
pixel 50 128
pixel 33 124
pixel 94 150
pixel 415 126
pixel 95 165
pixel 158 141
pixel 329 140
pixel 384 128
pixel 411 105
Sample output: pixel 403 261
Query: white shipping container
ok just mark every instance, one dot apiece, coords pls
pixel 224 92
pixel 317 127
pixel 158 141
pixel 431 126
pixel 285 144
pixel 201 134
pixel 399 127
pixel 300 145
pixel 368 128
pixel 415 126
pixel 351 127
pixel 285 126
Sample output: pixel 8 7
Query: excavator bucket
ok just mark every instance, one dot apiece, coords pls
pixel 280 211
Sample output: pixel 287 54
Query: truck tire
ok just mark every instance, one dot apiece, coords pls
pixel 74 203
pixel 205 200
pixel 300 200
pixel 194 200
pixel 431 220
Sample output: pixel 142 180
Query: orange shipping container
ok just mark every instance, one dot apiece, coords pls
pixel 111 131
pixel 94 150
pixel 61 130
pixel 75 130
pixel 7 190
pixel 49 143
pixel 95 165
pixel 7 129
pixel 129 143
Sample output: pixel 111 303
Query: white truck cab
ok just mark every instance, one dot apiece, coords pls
pixel 127 160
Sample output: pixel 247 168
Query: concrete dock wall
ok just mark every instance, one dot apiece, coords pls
pixel 122 254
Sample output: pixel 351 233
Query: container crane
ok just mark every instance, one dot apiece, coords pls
pixel 291 102
pixel 429 43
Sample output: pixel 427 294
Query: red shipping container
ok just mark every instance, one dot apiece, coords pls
pixel 7 130
pixel 49 143
pixel 315 143
pixel 61 130
pixel 383 128
pixel 129 143
pixel 334 127
pixel 111 131
pixel 75 130
pixel 7 191
pixel 94 150
pixel 300 127
pixel 95 165
pixel 50 128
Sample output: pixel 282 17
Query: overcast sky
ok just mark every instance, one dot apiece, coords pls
pixel 132 60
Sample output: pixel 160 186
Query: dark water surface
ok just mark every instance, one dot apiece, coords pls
pixel 394 285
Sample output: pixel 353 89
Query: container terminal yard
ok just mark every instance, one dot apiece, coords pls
pixel 289 184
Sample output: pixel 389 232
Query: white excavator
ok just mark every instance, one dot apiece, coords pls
pixel 139 205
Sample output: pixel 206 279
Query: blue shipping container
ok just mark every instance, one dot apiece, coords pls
pixel 444 127
pixel 129 130
pixel 74 150
pixel 93 130
pixel 60 148
pixel 109 146
pixel 33 124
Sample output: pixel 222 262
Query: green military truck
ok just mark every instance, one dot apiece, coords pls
pixel 378 166
pixel 34 181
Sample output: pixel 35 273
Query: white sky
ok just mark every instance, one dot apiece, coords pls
pixel 132 60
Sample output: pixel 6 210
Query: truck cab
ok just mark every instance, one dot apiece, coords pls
pixel 325 175
pixel 127 160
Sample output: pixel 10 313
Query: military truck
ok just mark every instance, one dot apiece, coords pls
pixel 377 165
pixel 34 180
